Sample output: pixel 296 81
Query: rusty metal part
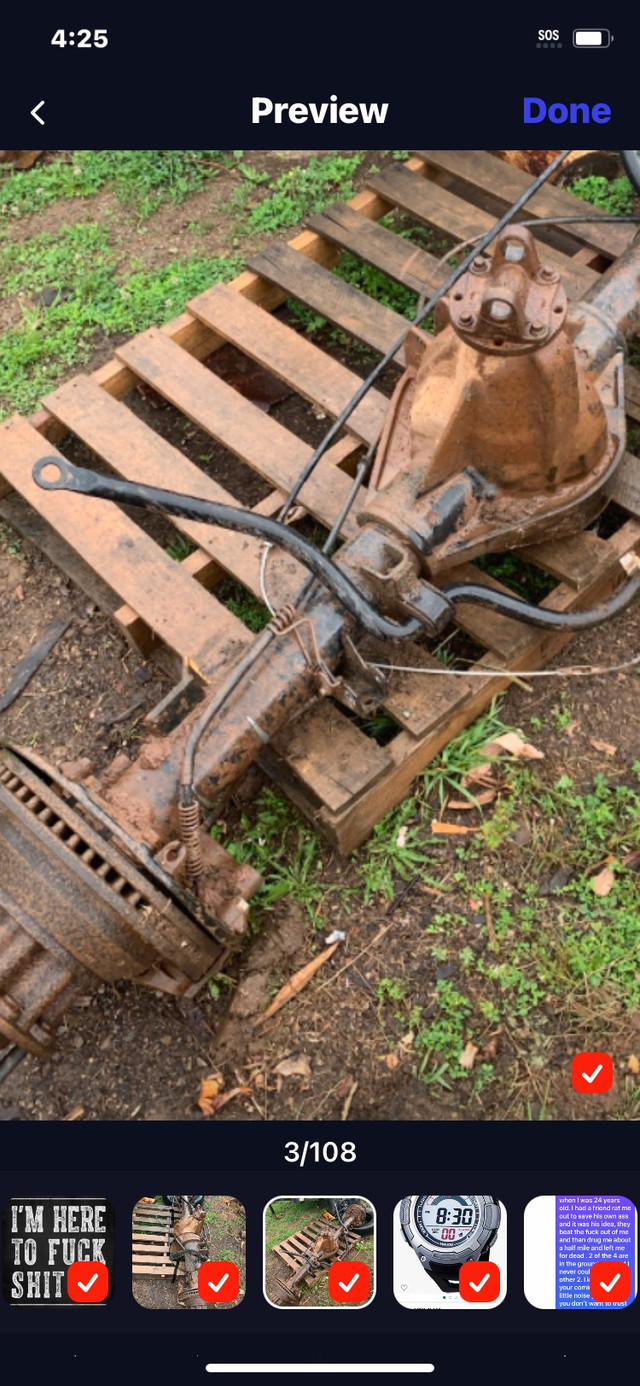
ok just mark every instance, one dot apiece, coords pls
pixel 189 1247
pixel 508 425
pixel 510 422
pixel 74 909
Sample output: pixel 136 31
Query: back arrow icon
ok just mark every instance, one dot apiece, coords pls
pixel 35 115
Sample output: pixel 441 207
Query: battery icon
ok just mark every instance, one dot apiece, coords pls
pixel 591 38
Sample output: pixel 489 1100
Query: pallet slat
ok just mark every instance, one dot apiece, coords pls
pixel 182 614
pixel 393 255
pixel 343 305
pixel 502 184
pixel 442 209
pixel 292 357
pixel 135 452
pixel 272 451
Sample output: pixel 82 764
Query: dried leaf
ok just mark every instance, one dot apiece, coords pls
pixel 402 836
pixel 294 1068
pixel 603 882
pixel 210 1106
pixel 468 1055
pixel 391 1060
pixel 486 796
pixel 633 1063
pixel 482 773
pixel 604 746
pixel 344 1087
pixel 209 1088
pixel 451 828
pixel 515 746
pixel 297 983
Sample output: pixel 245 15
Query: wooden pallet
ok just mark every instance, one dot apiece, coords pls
pixel 151 1230
pixel 300 1244
pixel 338 776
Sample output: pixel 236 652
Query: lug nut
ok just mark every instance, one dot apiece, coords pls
pixel 537 329
pixel 549 275
pixel 480 265
pixel 466 319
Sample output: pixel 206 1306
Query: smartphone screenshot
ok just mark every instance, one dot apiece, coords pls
pixel 319 709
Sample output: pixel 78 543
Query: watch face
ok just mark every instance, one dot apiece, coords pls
pixel 447 1220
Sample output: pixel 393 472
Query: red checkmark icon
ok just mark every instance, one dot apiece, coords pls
pixel 610 1282
pixel 87 1282
pixel 479 1282
pixel 349 1282
pixel 218 1281
pixel 592 1071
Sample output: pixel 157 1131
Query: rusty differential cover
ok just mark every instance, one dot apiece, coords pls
pixel 73 909
pixel 501 405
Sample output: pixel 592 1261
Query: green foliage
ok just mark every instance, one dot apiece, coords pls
pixel 78 263
pixel 523 578
pixel 143 179
pixel 613 195
pixel 376 285
pixel 302 191
pixel 391 989
pixel 241 602
pixel 285 852
pixel 444 774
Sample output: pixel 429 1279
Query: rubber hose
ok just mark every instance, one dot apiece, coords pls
pixel 540 615
pixel 88 483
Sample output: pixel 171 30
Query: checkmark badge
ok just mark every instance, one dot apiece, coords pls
pixel 87 1282
pixel 592 1072
pixel 218 1282
pixel 610 1282
pixel 349 1282
pixel 479 1282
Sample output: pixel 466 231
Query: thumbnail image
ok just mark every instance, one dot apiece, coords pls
pixel 580 1251
pixel 58 1252
pixel 319 1253
pixel 450 1251
pixel 303 499
pixel 189 1252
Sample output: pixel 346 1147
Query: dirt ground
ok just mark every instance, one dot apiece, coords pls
pixel 126 1053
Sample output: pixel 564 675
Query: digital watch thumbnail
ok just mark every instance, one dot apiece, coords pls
pixel 445 1230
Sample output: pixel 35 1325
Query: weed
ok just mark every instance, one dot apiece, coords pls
pixel 143 179
pixel 613 195
pixel 562 714
pixel 180 548
pixel 217 985
pixel 284 851
pixel 521 577
pixel 302 191
pixel 241 602
pixel 78 261
pixel 391 989
pixel 377 285
pixel 461 755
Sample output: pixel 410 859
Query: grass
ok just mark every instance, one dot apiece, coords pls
pixel 142 179
pixel 545 954
pixel 301 191
pixel 80 265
